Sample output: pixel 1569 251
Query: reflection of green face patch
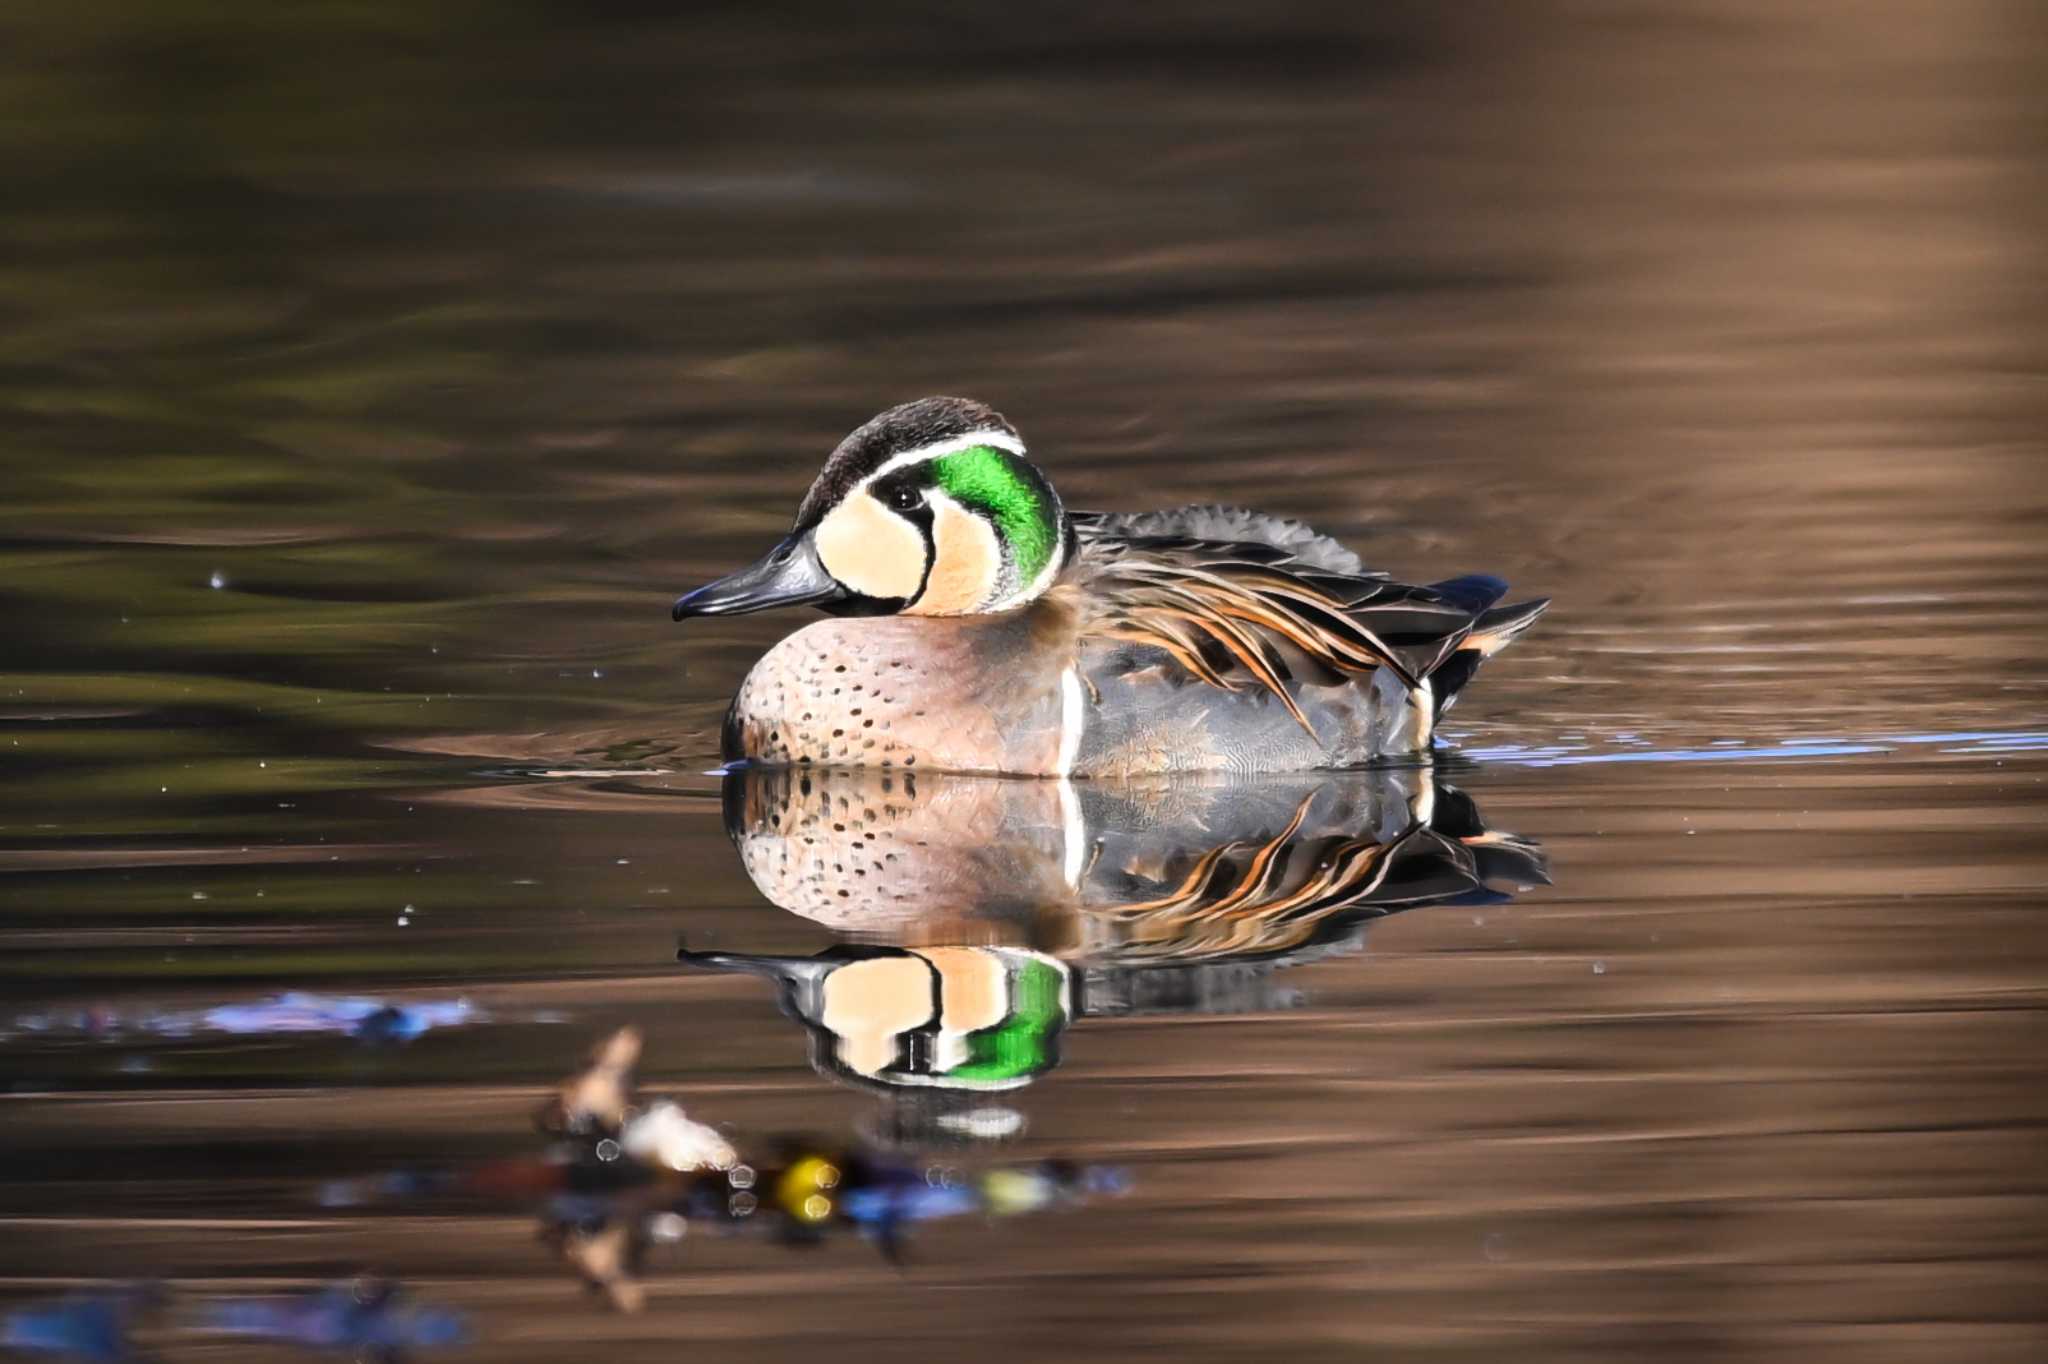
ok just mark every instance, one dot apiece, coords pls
pixel 995 481
pixel 1020 1045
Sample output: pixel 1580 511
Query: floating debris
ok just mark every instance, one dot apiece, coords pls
pixel 626 1174
pixel 663 1135
pixel 602 1095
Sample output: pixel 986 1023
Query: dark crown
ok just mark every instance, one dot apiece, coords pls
pixel 905 427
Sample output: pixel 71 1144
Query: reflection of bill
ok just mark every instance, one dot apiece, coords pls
pixel 969 1018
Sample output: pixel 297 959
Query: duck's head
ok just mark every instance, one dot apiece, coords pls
pixel 930 509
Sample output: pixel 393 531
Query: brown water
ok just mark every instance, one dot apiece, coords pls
pixel 373 380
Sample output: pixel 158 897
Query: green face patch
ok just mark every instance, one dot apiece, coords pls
pixel 1021 1045
pixel 998 483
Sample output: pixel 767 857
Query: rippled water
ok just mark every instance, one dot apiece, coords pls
pixel 373 380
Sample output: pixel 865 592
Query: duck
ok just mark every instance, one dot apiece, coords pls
pixel 977 625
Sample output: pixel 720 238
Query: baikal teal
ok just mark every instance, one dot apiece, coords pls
pixel 980 626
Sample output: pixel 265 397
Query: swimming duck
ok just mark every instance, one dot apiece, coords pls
pixel 983 627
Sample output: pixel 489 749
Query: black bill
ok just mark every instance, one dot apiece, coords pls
pixel 788 575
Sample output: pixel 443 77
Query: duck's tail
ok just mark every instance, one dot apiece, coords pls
pixel 1493 629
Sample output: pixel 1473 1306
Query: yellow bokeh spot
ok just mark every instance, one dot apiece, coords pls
pixel 800 1190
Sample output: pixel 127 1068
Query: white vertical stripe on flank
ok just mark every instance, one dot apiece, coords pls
pixel 1071 722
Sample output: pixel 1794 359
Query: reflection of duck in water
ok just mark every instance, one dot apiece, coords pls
pixel 991 630
pixel 971 1018
pixel 1120 899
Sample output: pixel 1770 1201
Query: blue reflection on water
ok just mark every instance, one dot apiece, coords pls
pixel 1572 755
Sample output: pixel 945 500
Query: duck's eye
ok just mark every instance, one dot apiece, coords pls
pixel 903 497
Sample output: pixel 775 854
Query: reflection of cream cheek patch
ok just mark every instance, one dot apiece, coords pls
pixel 867 1003
pixel 973 994
pixel 875 553
pixel 965 562
pixel 975 987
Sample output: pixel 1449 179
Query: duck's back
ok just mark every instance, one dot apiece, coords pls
pixel 1217 524
pixel 1255 642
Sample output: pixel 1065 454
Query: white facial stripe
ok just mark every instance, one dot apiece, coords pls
pixel 952 445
